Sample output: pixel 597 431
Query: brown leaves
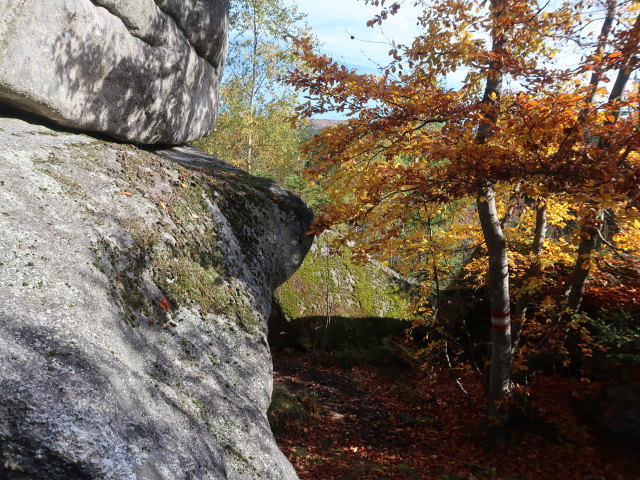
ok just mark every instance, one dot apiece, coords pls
pixel 165 304
pixel 420 423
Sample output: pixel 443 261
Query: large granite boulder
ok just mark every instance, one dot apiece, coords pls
pixel 145 71
pixel 135 289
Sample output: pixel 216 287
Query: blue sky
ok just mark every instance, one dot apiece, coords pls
pixel 335 21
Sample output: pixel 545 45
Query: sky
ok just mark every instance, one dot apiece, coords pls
pixel 335 21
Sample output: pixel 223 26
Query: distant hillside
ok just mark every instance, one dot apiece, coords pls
pixel 321 123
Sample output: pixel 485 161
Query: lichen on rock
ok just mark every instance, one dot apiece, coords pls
pixel 333 302
pixel 351 289
pixel 136 287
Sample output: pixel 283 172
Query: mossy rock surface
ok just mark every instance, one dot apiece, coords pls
pixel 333 284
pixel 334 303
pixel 136 287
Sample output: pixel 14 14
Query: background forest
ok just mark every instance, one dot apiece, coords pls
pixel 471 307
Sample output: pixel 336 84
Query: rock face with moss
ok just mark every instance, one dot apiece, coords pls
pixel 332 283
pixel 331 289
pixel 135 289
pixel 145 71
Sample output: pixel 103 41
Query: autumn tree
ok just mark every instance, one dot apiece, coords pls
pixel 253 129
pixel 521 126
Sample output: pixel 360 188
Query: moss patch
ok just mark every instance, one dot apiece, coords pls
pixel 176 246
pixel 334 284
pixel 188 264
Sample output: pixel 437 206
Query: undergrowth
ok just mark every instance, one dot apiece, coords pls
pixel 289 410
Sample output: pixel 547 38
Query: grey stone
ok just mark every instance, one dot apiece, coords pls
pixel 144 71
pixel 97 380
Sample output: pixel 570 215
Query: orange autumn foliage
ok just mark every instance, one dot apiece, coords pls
pixel 427 177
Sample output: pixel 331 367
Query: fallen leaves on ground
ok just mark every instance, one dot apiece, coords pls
pixel 418 425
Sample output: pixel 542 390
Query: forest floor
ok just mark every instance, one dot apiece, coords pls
pixel 368 423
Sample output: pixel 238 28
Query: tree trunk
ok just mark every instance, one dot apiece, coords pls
pixel 588 241
pixel 252 97
pixel 586 248
pixel 500 371
pixel 592 224
pixel 534 271
pixel 630 49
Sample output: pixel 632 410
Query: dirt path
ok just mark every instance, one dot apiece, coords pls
pixel 419 426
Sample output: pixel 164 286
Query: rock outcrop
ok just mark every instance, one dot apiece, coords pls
pixel 144 71
pixel 135 288
pixel 333 281
pixel 332 300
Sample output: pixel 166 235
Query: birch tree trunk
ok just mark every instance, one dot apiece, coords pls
pixel 253 89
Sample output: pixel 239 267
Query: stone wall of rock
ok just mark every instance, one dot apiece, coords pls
pixel 135 288
pixel 144 71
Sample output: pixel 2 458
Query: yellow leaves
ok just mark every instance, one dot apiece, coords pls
pixel 548 304
pixel 560 211
pixel 634 158
pixel 628 233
